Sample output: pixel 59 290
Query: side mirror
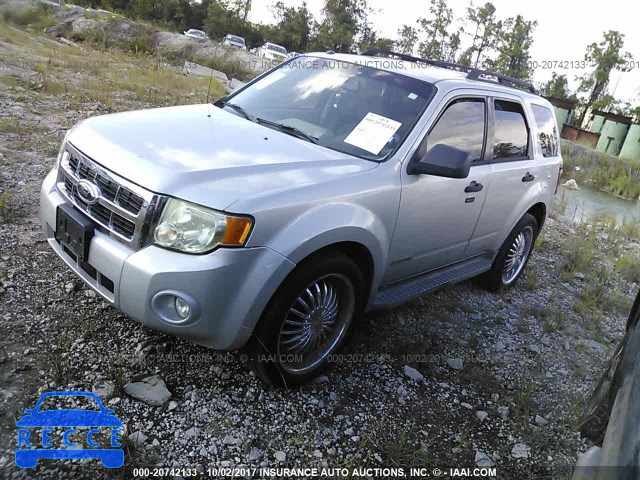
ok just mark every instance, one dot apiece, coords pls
pixel 442 161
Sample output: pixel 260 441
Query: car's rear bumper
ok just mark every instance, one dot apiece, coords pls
pixel 226 289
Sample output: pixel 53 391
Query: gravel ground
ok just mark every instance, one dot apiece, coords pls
pixel 457 378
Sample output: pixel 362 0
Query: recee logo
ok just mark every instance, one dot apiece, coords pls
pixel 36 438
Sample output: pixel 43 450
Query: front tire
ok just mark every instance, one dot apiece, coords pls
pixel 307 319
pixel 513 256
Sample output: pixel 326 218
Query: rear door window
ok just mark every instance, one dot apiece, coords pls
pixel 547 131
pixel 511 135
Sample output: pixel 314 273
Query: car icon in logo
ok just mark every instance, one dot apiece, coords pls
pixel 88 191
pixel 69 420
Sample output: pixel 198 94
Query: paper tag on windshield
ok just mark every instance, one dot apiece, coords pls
pixel 373 132
pixel 269 79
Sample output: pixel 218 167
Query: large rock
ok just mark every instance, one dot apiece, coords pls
pixel 150 389
pixel 483 460
pixel 191 68
pixel 236 84
pixel 83 25
pixel 103 388
pixel 413 373
pixel 571 185
pixel 520 450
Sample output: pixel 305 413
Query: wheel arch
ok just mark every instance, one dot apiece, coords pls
pixel 539 212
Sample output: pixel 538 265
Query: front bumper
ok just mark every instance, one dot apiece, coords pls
pixel 227 289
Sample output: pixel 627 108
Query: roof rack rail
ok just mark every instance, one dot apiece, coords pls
pixel 472 72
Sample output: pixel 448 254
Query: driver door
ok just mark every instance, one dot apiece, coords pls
pixel 438 215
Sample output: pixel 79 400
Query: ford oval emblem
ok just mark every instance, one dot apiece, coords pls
pixel 88 191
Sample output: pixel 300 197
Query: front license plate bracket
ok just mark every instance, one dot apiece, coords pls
pixel 74 231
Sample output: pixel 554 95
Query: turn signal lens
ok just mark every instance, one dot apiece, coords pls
pixel 236 231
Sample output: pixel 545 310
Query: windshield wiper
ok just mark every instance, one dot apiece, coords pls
pixel 237 108
pixel 296 132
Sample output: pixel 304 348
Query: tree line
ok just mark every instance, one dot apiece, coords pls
pixel 480 38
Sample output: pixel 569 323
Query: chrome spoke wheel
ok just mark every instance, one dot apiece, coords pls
pixel 315 323
pixel 517 256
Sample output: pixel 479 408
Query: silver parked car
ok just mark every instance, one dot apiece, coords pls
pixel 329 186
pixel 196 34
pixel 234 41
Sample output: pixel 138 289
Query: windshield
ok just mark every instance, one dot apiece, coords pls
pixel 351 108
pixel 233 38
pixel 276 48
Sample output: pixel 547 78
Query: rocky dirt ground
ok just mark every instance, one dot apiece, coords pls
pixel 458 378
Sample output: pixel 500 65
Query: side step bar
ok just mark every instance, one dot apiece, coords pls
pixel 400 292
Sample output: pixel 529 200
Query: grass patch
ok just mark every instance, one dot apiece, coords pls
pixel 5 208
pixel 628 266
pixel 11 125
pixel 580 251
pixel 531 280
pixel 396 449
pixel 608 173
pixel 10 81
pixel 38 17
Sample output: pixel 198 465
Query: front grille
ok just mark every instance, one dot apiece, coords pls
pixel 122 208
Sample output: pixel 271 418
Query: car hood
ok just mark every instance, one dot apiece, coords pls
pixel 205 155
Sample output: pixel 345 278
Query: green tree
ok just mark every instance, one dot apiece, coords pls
pixel 605 57
pixel 435 29
pixel 485 30
pixel 342 21
pixel 557 87
pixel 369 39
pixel 450 50
pixel 514 41
pixel 293 26
pixel 224 17
pixel 408 39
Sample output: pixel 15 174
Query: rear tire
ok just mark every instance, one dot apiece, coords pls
pixel 513 256
pixel 307 320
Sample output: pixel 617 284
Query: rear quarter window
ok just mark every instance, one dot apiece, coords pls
pixel 511 136
pixel 547 131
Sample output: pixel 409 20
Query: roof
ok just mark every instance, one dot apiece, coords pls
pixel 561 103
pixel 613 116
pixel 428 73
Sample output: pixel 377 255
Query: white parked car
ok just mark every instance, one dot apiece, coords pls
pixel 197 34
pixel 271 51
pixel 234 41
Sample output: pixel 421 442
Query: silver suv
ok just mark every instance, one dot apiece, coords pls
pixel 331 185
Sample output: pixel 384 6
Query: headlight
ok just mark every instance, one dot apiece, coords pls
pixel 192 228
pixel 63 147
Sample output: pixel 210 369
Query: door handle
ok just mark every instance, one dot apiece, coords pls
pixel 528 178
pixel 473 187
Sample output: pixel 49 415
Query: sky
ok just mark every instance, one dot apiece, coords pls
pixel 564 30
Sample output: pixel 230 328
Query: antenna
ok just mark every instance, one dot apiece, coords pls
pixel 209 88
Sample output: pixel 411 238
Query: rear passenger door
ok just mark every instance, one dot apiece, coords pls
pixel 515 173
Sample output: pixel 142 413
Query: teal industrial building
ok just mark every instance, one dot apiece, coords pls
pixel 605 132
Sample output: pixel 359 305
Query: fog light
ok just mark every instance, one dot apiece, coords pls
pixel 182 308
